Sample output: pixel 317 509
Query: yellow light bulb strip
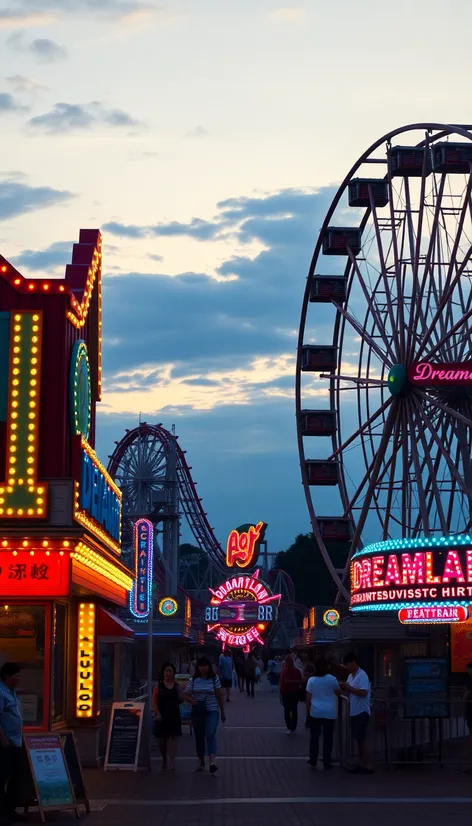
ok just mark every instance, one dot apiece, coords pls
pixel 86 632
pixel 22 496
pixel 91 559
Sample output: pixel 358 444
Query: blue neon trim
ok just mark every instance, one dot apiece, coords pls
pixel 411 544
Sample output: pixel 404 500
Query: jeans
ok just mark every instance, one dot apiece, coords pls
pixel 250 683
pixel 290 704
pixel 12 777
pixel 316 726
pixel 204 727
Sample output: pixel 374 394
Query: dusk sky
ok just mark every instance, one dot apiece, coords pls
pixel 205 138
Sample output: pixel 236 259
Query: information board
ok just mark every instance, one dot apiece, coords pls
pixel 51 778
pixel 124 736
pixel 425 687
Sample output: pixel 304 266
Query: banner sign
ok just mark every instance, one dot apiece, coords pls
pixel 429 374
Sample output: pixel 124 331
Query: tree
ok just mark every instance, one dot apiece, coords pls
pixel 311 578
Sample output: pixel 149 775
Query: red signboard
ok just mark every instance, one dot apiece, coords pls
pixel 242 548
pixel 431 374
pixel 433 614
pixel 34 573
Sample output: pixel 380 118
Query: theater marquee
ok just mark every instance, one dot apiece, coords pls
pixel 412 573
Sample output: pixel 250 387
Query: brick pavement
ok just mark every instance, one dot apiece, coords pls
pixel 263 777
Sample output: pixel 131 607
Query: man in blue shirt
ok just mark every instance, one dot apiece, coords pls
pixel 11 740
pixel 226 672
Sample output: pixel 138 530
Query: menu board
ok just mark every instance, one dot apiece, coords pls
pixel 50 773
pixel 425 687
pixel 124 736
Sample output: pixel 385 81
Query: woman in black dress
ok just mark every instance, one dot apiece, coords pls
pixel 166 700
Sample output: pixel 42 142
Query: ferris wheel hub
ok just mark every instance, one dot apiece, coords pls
pixel 398 380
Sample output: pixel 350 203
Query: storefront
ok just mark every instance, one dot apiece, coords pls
pixel 61 574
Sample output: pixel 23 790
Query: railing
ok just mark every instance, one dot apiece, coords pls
pixel 394 739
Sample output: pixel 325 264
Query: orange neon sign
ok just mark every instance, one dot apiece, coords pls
pixel 242 548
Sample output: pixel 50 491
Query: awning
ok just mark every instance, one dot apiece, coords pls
pixel 109 625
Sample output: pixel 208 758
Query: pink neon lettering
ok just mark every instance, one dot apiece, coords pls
pixel 453 568
pixel 413 570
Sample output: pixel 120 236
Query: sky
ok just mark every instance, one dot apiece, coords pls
pixel 206 138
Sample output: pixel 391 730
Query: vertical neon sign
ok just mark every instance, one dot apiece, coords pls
pixel 140 599
pixel 22 496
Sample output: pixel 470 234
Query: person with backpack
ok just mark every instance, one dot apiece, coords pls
pixel 203 693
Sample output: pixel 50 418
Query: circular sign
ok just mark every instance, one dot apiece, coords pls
pixel 331 617
pixel 168 607
pixel 240 610
pixel 80 391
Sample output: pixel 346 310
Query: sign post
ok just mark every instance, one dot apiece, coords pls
pixel 51 778
pixel 124 736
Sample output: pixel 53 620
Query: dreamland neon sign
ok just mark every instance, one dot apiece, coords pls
pixel 240 610
pixel 409 573
pixel 429 374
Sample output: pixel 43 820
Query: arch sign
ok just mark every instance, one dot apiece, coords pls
pixel 241 610
pixel 243 546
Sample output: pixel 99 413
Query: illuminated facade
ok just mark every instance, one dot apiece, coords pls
pixel 61 572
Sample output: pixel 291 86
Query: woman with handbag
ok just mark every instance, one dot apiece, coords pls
pixel 289 689
pixel 203 692
pixel 166 700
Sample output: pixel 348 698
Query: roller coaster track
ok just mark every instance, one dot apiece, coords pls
pixel 166 445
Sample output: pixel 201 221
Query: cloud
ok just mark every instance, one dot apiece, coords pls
pixel 23 18
pixel 287 15
pixel 196 228
pixel 17 198
pixel 9 104
pixel 24 85
pixel 70 117
pixel 197 132
pixel 28 13
pixel 56 255
pixel 46 50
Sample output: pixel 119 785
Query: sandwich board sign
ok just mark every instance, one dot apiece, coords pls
pixel 51 779
pixel 124 736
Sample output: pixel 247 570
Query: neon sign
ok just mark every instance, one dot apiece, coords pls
pixel 428 374
pixel 409 573
pixel 240 610
pixel 168 606
pixel 433 614
pixel 141 595
pixel 331 617
pixel 21 497
pixel 98 499
pixel 242 548
pixel 35 573
pixel 85 689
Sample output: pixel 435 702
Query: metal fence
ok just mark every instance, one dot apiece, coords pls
pixel 395 739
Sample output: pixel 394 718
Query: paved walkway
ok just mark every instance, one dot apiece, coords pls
pixel 263 777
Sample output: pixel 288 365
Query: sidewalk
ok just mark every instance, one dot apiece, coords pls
pixel 263 775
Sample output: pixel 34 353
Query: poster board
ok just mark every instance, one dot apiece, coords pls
pixel 50 773
pixel 425 687
pixel 69 747
pixel 124 736
pixel 185 708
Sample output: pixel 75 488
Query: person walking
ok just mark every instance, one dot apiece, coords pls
pixel 11 742
pixel 225 664
pixel 250 668
pixel 239 669
pixel 322 692
pixel 203 693
pixel 289 689
pixel 358 689
pixel 166 700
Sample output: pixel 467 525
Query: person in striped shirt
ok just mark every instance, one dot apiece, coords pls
pixel 203 693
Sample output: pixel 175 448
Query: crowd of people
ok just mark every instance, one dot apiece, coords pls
pixel 309 683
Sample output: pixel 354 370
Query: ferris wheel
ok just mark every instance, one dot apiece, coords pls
pixel 386 326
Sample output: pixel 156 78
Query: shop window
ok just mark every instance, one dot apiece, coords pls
pixel 59 659
pixel 22 640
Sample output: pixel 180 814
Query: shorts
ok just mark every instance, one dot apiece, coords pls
pixel 226 683
pixel 359 724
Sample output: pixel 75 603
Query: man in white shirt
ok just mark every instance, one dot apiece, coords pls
pixel 358 688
